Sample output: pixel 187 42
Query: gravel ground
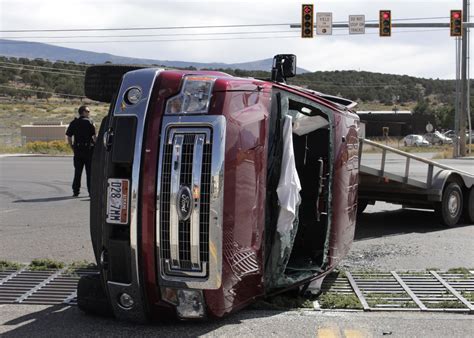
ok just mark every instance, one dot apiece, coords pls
pixel 389 237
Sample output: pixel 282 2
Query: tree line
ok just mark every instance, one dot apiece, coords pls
pixel 23 78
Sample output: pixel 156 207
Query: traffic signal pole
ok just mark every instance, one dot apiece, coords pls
pixel 462 84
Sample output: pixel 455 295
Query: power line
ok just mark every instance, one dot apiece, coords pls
pixel 143 35
pixel 140 28
pixel 159 40
pixel 206 39
pixel 42 91
pixel 42 71
pixel 42 67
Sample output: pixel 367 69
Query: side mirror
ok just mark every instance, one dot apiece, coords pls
pixel 284 66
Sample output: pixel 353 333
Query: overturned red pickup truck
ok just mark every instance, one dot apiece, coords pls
pixel 211 191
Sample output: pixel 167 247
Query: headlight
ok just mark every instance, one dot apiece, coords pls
pixel 194 97
pixel 133 95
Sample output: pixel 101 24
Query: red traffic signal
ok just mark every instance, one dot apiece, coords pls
pixel 455 23
pixel 307 21
pixel 385 23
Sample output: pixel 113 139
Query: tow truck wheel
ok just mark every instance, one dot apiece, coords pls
pixel 91 297
pixel 450 208
pixel 469 206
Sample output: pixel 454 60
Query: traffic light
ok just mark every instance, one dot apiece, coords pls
pixel 385 23
pixel 456 23
pixel 307 21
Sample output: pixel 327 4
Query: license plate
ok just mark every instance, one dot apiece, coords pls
pixel 117 200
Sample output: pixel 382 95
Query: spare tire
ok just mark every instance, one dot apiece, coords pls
pixel 103 81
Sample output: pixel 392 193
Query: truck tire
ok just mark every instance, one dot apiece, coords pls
pixel 91 297
pixel 103 81
pixel 450 208
pixel 469 206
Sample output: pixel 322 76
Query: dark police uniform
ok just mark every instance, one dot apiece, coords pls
pixel 82 129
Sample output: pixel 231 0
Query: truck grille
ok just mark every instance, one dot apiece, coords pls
pixel 184 228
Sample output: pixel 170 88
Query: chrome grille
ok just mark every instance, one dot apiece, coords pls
pixel 187 157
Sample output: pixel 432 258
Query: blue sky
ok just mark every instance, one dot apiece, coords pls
pixel 417 52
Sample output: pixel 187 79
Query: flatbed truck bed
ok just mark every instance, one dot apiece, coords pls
pixel 415 182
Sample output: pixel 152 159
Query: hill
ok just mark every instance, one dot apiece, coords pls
pixel 35 50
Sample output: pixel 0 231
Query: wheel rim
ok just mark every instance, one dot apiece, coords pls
pixel 453 204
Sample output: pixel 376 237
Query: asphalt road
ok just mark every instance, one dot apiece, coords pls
pixel 39 219
pixel 47 321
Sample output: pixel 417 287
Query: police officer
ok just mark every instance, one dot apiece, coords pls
pixel 81 137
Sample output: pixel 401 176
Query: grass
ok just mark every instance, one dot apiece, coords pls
pixel 448 153
pixel 74 266
pixel 7 265
pixel 334 300
pixel 45 264
pixel 374 299
pixel 469 295
pixel 444 304
pixel 38 147
pixel 462 271
pixel 14 114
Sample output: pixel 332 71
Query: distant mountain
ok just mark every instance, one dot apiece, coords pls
pixel 34 50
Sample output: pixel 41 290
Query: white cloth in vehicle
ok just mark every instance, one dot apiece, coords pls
pixel 304 124
pixel 289 187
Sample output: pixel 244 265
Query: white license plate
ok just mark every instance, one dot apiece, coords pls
pixel 117 200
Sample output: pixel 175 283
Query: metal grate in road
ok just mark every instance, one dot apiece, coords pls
pixel 48 287
pixel 407 291
pixel 376 291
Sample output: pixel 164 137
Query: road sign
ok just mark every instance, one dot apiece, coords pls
pixel 356 24
pixel 429 128
pixel 324 23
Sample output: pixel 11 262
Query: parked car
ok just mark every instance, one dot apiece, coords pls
pixel 438 138
pixel 413 140
pixel 452 135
